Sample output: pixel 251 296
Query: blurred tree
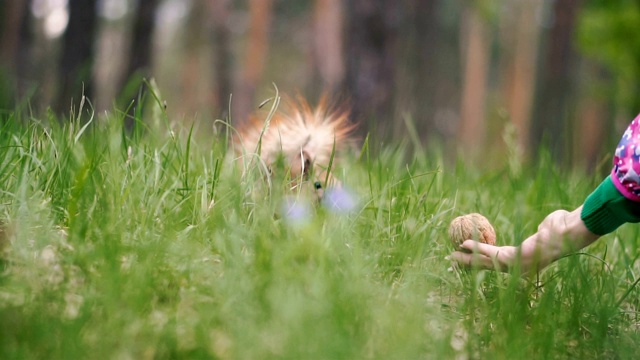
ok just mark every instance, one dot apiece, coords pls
pixel 77 54
pixel 371 47
pixel 594 135
pixel 222 62
pixel 12 12
pixel 194 40
pixel 417 65
pixel 328 51
pixel 519 38
pixel 476 58
pixel 553 108
pixel 255 54
pixel 424 18
pixel 139 64
pixel 14 16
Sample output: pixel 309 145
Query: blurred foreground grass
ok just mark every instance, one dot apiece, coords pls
pixel 150 244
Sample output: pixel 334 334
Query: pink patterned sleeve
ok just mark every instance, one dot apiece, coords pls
pixel 626 162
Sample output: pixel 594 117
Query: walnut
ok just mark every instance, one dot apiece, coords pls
pixel 471 226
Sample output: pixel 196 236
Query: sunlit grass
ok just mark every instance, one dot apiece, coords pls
pixel 150 244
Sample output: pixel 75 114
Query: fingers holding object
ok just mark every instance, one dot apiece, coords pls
pixel 479 247
pixel 471 260
pixel 474 254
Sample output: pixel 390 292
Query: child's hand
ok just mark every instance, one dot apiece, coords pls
pixel 560 233
pixel 474 254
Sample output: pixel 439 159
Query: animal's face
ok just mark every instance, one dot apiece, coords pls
pixel 298 145
pixel 304 177
pixel 300 166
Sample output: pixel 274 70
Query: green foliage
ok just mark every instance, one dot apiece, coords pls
pixel 152 243
pixel 607 33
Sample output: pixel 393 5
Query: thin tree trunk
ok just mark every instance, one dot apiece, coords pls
pixel 416 66
pixel 589 139
pixel 13 16
pixel 9 42
pixel 192 61
pixel 520 43
pixel 77 54
pixel 426 22
pixel 553 112
pixel 221 57
pixel 372 38
pixel 139 64
pixel 260 14
pixel 592 145
pixel 328 46
pixel 472 126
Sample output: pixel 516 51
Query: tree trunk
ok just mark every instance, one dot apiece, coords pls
pixel 416 66
pixel 520 35
pixel 589 139
pixel 139 64
pixel 13 16
pixel 595 130
pixel 553 110
pixel 472 126
pixel 260 13
pixel 221 58
pixel 370 78
pixel 77 54
pixel 194 93
pixel 426 23
pixel 328 47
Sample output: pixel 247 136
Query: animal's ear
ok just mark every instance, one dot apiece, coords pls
pixel 300 165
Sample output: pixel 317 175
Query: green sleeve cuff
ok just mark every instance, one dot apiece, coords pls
pixel 606 209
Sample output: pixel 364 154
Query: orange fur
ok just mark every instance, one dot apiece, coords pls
pixel 302 135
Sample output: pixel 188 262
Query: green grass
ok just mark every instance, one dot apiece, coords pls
pixel 150 244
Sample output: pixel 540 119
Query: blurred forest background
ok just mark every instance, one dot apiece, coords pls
pixel 481 76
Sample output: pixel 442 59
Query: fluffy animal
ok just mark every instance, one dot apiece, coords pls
pixel 306 141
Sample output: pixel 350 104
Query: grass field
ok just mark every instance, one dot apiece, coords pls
pixel 150 244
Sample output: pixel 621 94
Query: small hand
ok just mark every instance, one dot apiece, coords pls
pixel 478 255
pixel 559 234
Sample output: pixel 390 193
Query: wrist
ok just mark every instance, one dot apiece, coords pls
pixel 606 209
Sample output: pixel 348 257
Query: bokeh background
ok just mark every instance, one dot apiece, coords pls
pixel 477 77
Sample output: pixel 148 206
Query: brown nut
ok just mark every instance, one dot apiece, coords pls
pixel 471 226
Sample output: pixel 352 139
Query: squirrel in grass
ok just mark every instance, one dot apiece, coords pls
pixel 302 141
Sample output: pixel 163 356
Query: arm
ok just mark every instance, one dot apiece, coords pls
pixel 559 234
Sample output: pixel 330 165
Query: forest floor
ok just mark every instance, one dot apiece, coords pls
pixel 151 244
